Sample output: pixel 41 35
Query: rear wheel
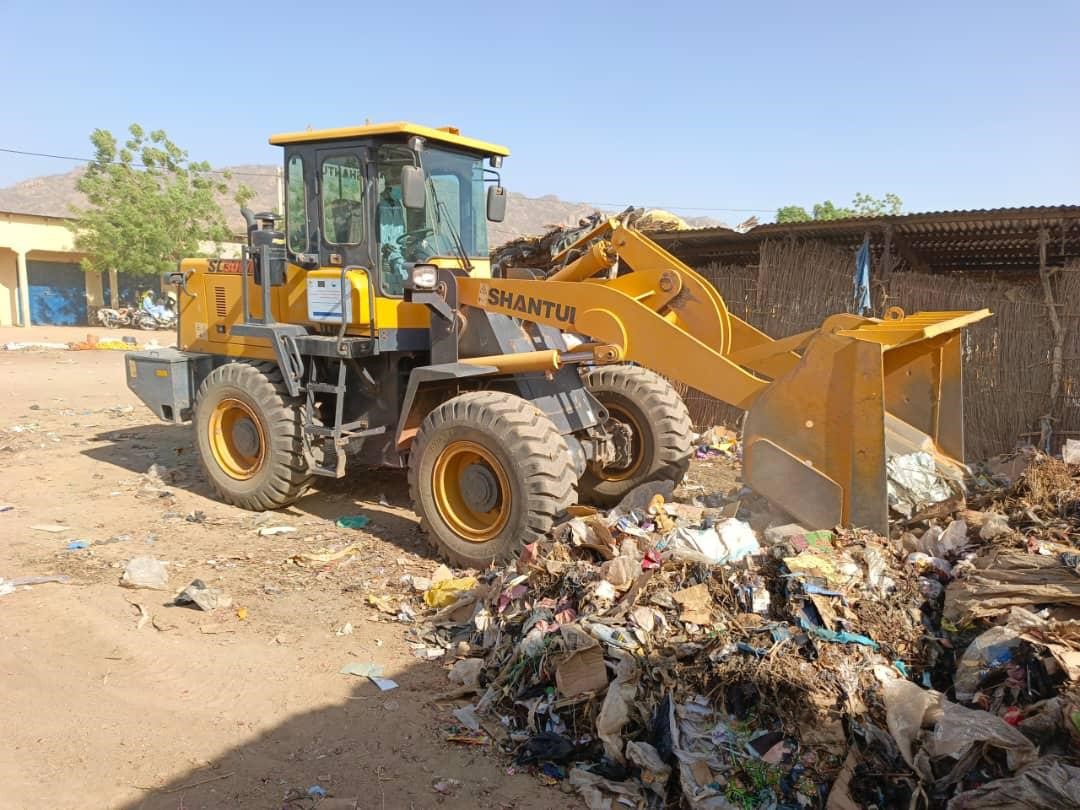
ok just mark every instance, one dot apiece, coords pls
pixel 659 426
pixel 488 473
pixel 249 434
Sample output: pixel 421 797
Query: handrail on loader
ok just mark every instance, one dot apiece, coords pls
pixel 825 408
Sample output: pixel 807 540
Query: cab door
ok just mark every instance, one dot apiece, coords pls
pixel 343 202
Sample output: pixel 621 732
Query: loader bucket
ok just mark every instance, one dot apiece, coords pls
pixel 817 438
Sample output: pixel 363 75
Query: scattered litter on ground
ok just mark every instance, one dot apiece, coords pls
pixel 145 572
pixel 352 522
pixel 362 669
pixel 52 528
pixel 144 615
pixel 11 585
pixel 202 596
pixel 445 787
pixel 216 628
pixel 270 531
pixel 34 345
pixel 310 558
pixel 77 545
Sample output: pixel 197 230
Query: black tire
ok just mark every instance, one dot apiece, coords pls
pixel 280 473
pixel 661 426
pixel 510 438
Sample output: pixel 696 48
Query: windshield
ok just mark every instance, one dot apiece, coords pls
pixel 457 183
pixel 455 204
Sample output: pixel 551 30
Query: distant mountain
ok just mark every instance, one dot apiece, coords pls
pixel 55 195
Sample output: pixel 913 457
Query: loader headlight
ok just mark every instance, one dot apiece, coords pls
pixel 424 276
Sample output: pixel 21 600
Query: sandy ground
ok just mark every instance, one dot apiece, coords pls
pixel 113 699
pixel 100 712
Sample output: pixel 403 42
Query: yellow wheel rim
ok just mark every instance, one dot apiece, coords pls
pixel 636 448
pixel 472 491
pixel 237 440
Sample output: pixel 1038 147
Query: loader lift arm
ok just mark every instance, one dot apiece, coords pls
pixel 825 407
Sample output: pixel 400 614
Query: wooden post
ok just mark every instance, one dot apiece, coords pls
pixel 1057 360
pixel 887 264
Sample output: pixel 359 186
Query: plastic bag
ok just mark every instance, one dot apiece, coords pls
pixel 654 771
pixel 914 483
pixel 995 526
pixel 959 728
pixel 728 541
pixel 145 572
pixel 990 650
pixel 594 789
pixel 955 729
pixel 1050 784
pixel 615 711
pixel 445 593
pixel 938 543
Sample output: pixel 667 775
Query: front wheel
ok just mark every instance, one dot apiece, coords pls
pixel 249 433
pixel 659 428
pixel 488 473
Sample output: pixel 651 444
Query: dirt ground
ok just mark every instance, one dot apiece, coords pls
pixel 113 699
pixel 100 712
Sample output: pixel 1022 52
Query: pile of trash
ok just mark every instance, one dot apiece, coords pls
pixel 667 654
pixel 537 252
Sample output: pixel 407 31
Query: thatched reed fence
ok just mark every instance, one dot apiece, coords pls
pixel 1016 385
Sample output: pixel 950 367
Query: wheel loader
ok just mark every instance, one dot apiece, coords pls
pixel 366 329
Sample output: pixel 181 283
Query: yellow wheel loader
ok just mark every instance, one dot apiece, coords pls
pixel 366 329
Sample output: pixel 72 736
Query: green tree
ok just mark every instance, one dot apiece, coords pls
pixel 792 213
pixel 150 205
pixel 862 206
pixel 867 206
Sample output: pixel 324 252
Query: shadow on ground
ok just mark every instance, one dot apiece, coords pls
pixel 380 494
pixel 376 751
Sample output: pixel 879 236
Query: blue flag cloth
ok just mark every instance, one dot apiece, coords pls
pixel 862 279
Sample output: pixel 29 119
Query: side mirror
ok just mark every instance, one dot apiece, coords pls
pixel 496 203
pixel 413 187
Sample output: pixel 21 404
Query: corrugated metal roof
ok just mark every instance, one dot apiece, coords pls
pixel 993 239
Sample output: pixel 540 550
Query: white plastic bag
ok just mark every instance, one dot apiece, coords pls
pixel 727 541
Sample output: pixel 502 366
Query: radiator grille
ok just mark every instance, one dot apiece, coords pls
pixel 219 302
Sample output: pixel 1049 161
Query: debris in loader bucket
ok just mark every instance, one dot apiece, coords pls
pixel 842 669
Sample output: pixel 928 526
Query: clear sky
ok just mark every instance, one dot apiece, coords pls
pixel 686 105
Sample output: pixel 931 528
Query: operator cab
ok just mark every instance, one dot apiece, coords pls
pixel 385 197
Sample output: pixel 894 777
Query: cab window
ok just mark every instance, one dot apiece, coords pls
pixel 296 206
pixel 343 200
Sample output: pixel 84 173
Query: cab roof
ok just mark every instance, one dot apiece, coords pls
pixel 447 135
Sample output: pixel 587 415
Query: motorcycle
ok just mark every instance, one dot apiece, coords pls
pixel 161 314
pixel 149 321
pixel 115 318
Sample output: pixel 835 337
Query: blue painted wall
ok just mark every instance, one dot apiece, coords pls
pixel 57 293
